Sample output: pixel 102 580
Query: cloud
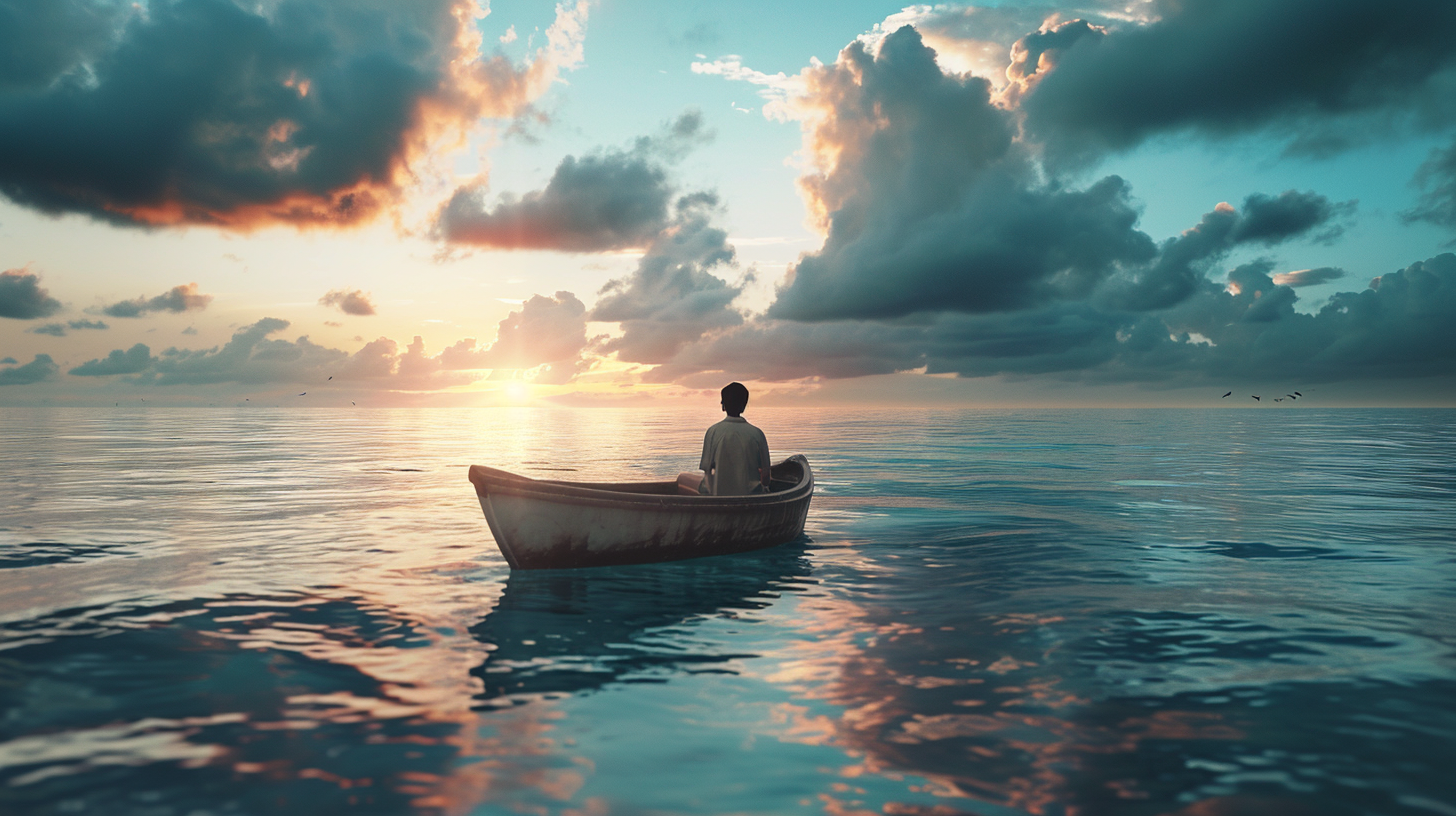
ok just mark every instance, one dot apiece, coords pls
pixel 253 357
pixel 249 357
pixel 1245 329
pixel 41 41
pixel 38 370
pixel 22 298
pixel 132 361
pixel 301 112
pixel 610 200
pixel 8 361
pixel 951 248
pixel 1315 68
pixel 1182 263
pixel 1308 277
pixel 673 297
pixel 1437 178
pixel 547 331
pixel 1271 220
pixel 931 203
pixel 353 302
pixel 381 363
pixel 87 324
pixel 52 329
pixel 182 298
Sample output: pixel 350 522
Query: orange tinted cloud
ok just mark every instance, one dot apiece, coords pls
pixel 304 113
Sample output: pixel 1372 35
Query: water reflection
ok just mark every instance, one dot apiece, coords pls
pixel 1096 709
pixel 556 632
pixel 253 703
pixel 1141 613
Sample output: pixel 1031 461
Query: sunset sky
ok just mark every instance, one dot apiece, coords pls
pixel 632 203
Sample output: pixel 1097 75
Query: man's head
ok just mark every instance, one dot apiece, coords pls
pixel 735 398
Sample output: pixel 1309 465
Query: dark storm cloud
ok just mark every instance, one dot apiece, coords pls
pixel 132 361
pixel 38 370
pixel 1183 262
pixel 1437 178
pixel 41 40
pixel 932 206
pixel 240 114
pixel 611 200
pixel 1403 328
pixel 22 298
pixel 1066 337
pixel 1245 329
pixel 355 302
pixel 182 298
pixel 1309 277
pixel 1271 220
pixel 1223 66
pixel 1036 53
pixel 547 331
pixel 673 297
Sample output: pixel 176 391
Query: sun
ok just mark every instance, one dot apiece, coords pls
pixel 518 392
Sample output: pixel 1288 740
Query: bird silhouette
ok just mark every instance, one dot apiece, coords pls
pixel 303 394
pixel 1297 394
pixel 1253 396
pixel 1278 399
pixel 1225 395
pixel 331 378
pixel 1291 396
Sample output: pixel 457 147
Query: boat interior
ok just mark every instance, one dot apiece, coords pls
pixel 783 476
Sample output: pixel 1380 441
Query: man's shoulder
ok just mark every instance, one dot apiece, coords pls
pixel 734 426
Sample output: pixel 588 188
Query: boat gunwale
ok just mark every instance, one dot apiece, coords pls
pixel 488 481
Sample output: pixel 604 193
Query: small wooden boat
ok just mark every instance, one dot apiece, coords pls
pixel 547 524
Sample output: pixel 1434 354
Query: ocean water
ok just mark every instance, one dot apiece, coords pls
pixel 1191 612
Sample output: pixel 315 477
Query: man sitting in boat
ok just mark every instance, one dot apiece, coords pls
pixel 735 453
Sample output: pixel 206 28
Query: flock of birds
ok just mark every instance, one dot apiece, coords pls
pixel 1294 396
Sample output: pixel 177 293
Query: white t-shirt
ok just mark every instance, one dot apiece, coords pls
pixel 733 451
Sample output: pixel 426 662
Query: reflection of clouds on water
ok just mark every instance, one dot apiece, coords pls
pixel 979 707
pixel 556 632
pixel 266 703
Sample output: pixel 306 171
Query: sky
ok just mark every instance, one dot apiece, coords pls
pixel 611 203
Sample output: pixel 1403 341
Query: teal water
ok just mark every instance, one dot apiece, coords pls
pixel 1132 612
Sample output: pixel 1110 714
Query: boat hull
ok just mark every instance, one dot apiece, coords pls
pixel 540 524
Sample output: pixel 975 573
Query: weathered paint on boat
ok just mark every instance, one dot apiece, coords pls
pixel 547 524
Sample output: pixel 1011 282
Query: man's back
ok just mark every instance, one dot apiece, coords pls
pixel 735 453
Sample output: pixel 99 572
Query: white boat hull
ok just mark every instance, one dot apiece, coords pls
pixel 541 524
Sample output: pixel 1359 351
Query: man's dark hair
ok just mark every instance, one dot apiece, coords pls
pixel 735 397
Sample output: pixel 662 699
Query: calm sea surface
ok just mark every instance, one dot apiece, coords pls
pixel 1205 613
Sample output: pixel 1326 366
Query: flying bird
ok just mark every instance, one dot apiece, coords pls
pixel 1291 396
pixel 303 394
pixel 1278 399
pixel 1297 394
pixel 1253 396
pixel 331 378
pixel 1225 395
